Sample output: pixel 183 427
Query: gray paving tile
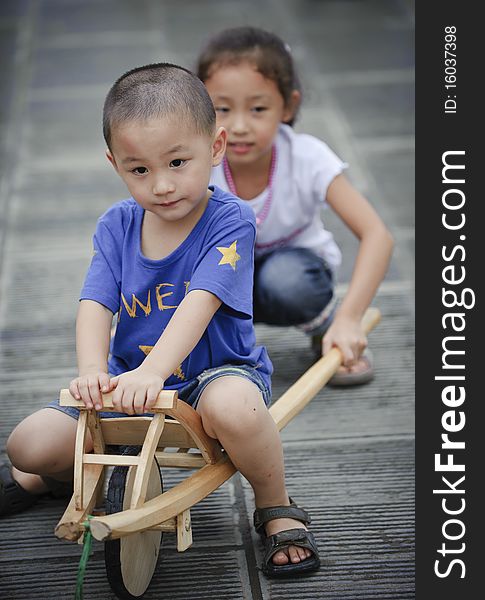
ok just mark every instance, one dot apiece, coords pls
pixel 58 16
pixel 392 49
pixel 39 349
pixel 65 127
pixel 81 204
pixel 200 24
pixel 182 577
pixel 77 187
pixel 13 8
pixel 8 38
pixel 93 65
pixel 378 110
pixel 31 295
pixel 410 247
pixel 348 14
pixel 394 176
pixel 354 36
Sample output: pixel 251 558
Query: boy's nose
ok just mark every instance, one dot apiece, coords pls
pixel 162 186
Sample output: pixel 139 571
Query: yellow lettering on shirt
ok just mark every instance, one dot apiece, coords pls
pixel 146 308
pixel 160 297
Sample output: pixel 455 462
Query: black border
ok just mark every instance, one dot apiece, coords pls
pixel 436 133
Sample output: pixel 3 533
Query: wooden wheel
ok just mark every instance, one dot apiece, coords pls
pixel 131 560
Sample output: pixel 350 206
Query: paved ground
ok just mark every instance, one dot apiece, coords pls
pixel 350 453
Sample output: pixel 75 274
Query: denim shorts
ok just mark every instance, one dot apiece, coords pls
pixel 192 391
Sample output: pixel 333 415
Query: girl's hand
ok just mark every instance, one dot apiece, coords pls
pixel 89 388
pixel 136 391
pixel 347 335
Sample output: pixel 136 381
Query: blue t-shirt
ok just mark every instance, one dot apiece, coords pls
pixel 217 256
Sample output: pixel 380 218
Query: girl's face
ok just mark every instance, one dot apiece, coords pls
pixel 250 107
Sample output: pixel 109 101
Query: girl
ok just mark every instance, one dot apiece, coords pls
pixel 286 177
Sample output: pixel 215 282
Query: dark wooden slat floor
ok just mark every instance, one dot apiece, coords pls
pixel 349 454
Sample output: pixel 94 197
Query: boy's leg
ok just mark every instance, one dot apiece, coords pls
pixel 233 411
pixel 42 445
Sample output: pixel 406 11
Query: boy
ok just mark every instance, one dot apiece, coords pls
pixel 175 261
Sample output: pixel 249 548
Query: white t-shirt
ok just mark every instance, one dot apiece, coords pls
pixel 305 167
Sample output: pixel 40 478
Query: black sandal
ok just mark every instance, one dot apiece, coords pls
pixel 13 497
pixel 284 539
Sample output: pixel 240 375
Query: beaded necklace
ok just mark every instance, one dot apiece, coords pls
pixel 263 213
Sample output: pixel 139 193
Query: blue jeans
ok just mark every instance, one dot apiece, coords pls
pixel 294 286
pixel 192 391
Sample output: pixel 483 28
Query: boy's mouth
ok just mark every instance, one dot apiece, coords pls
pixel 168 204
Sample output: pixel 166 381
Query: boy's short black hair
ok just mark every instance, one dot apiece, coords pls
pixel 158 90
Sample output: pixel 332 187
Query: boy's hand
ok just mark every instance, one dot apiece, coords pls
pixel 89 388
pixel 136 391
pixel 347 335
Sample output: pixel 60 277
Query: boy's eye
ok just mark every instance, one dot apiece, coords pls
pixel 259 109
pixel 222 109
pixel 177 162
pixel 140 170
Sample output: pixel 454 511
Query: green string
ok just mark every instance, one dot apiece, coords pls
pixel 88 538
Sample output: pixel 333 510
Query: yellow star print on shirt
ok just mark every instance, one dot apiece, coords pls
pixel 229 255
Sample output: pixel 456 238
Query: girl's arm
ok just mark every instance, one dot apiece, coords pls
pixel 370 267
pixel 93 328
pixel 137 390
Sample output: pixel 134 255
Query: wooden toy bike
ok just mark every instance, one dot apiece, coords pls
pixel 138 511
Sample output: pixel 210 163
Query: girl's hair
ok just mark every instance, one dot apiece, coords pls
pixel 155 91
pixel 271 56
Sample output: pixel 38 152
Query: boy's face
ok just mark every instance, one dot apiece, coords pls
pixel 166 165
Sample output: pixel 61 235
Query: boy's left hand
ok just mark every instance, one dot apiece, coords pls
pixel 136 391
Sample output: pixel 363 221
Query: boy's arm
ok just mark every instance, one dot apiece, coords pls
pixel 370 267
pixel 93 328
pixel 137 390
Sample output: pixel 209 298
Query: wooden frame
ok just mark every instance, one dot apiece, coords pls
pixel 169 511
pixel 184 432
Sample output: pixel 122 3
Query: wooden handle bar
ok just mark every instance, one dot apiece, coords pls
pixel 167 399
pixel 311 382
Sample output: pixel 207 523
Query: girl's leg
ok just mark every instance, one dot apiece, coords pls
pixel 233 411
pixel 43 445
pixel 292 286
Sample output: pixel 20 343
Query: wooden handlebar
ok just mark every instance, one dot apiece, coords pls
pixel 311 382
pixel 167 399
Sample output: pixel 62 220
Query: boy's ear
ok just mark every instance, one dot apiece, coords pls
pixel 219 146
pixel 111 159
pixel 292 106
